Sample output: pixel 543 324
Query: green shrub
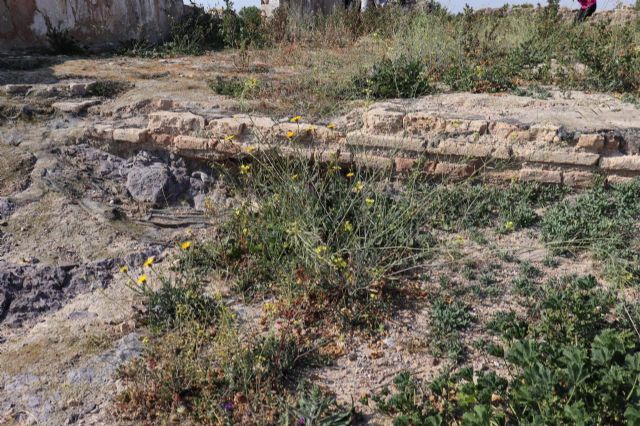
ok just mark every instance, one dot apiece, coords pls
pixel 602 221
pixel 400 78
pixel 251 30
pixel 322 235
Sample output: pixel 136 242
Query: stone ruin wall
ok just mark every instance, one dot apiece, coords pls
pixel 24 24
pixel 441 146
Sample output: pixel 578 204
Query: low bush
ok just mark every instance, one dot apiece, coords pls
pixel 602 221
pixel 399 78
pixel 571 363
pixel 327 236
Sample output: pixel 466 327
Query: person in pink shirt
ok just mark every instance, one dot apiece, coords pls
pixel 587 7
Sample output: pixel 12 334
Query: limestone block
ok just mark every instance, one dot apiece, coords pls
pixel 538 175
pixel 175 123
pixel 383 121
pixel 130 135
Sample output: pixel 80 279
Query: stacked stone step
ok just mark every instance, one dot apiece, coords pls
pixel 399 141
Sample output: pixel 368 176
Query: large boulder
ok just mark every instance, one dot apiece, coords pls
pixel 153 184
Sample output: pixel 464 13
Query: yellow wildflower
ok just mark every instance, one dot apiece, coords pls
pixel 245 169
pixel 359 186
pixel 149 262
pixel 347 226
pixel 229 138
pixel 331 126
pixel 291 134
pixel 295 119
pixel 249 149
pixel 250 83
pixel 321 250
pixel 294 177
pixel 509 226
pixel 124 269
pixel 186 245
pixel 142 279
pixel 369 201
pixel 350 174
pixel 339 261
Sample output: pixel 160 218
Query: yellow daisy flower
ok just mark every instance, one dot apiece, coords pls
pixel 331 126
pixel 186 245
pixel 295 119
pixel 291 134
pixel 124 269
pixel 359 186
pixel 142 279
pixel 350 174
pixel 149 262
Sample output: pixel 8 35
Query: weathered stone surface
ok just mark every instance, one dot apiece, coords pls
pixel 503 130
pixel 78 89
pixel 538 175
pixel 591 142
pixel 101 131
pixel 227 149
pixel 25 23
pixel 537 155
pixel 479 127
pixel 422 123
pixel 6 207
pixel 454 170
pixel 404 165
pixel 454 147
pixel 391 143
pixel 74 107
pixel 16 89
pixel 228 126
pixel 383 121
pixel 151 184
pixel 619 180
pixel 546 132
pixel 626 163
pixel 163 104
pixel 161 140
pixel 578 179
pixel 130 135
pixel 192 143
pixel 175 123
pixel 375 162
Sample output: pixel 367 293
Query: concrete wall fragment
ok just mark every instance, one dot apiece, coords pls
pixel 24 24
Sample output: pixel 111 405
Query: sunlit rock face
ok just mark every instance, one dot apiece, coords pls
pixel 26 23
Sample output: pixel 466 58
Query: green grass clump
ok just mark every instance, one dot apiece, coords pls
pixel 576 363
pixel 332 237
pixel 466 206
